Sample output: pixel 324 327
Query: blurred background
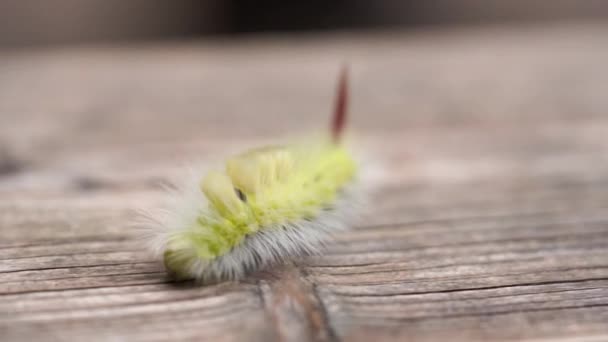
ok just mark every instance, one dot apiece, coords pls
pixel 35 22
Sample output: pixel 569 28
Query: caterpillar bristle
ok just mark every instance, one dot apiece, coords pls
pixel 340 106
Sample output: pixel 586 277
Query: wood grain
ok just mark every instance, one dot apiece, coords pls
pixel 487 156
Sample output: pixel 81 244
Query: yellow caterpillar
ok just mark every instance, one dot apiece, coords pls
pixel 268 205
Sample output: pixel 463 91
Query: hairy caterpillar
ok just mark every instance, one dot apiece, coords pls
pixel 269 205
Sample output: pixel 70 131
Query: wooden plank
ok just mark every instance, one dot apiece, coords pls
pixel 486 153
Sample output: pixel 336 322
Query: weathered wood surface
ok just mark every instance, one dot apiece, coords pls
pixel 488 222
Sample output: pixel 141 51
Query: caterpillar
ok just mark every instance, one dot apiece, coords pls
pixel 268 205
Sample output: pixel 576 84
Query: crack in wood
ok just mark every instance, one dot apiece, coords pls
pixel 491 313
pixel 479 288
pixel 296 312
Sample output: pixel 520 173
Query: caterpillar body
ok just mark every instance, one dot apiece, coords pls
pixel 268 205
